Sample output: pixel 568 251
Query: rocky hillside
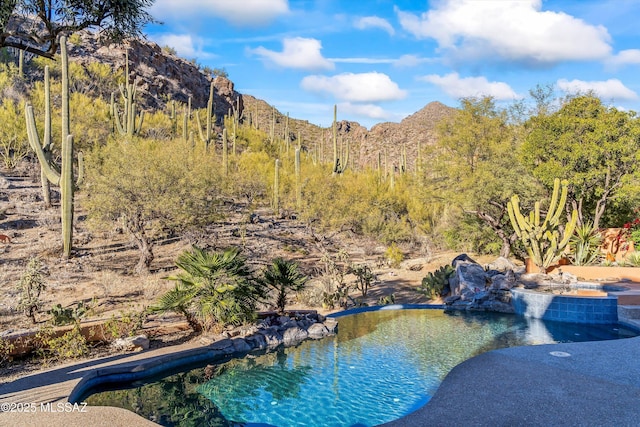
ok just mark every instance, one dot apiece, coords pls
pixel 162 76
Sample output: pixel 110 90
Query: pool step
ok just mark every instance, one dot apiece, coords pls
pixel 628 312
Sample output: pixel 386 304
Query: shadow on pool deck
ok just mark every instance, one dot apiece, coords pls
pixel 597 384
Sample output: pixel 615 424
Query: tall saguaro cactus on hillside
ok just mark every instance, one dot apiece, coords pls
pixel 206 136
pixel 276 188
pixel 543 241
pixel 47 145
pixel 64 178
pixel 127 124
pixel 297 170
pixel 340 159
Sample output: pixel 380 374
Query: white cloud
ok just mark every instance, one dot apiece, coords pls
pixel 374 22
pixel 363 60
pixel 298 53
pixel 411 61
pixel 455 86
pixel 403 61
pixel 185 45
pixel 625 57
pixel 507 30
pixel 371 111
pixel 241 13
pixel 362 87
pixel 612 88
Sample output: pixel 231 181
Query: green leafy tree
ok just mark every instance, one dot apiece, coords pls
pixel 473 167
pixel 283 277
pixel 593 146
pixel 36 26
pixel 152 188
pixel 213 289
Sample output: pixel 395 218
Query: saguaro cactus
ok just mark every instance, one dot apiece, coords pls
pixel 225 153
pixel 64 178
pixel 47 145
pixel 298 180
pixel 340 160
pixel 543 241
pixel 127 124
pixel 206 136
pixel 276 189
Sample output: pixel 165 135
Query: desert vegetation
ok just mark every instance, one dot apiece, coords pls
pixel 154 177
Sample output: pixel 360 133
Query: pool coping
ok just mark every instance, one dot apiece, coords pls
pixel 63 383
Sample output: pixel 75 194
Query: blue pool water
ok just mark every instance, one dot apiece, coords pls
pixel 381 366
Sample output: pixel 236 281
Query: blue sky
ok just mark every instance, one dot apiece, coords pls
pixel 382 60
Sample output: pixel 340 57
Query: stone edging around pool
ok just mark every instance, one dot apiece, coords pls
pixel 216 352
pixel 269 338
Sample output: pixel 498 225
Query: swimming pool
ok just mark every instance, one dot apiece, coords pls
pixel 380 366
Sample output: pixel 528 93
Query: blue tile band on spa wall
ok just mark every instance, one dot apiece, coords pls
pixel 565 308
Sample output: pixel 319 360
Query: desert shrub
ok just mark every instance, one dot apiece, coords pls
pixel 70 345
pixel 435 283
pixel 364 277
pixel 252 177
pixel 90 122
pixel 5 351
pixel 30 286
pixel 466 233
pixel 127 324
pixel 169 50
pixel 387 299
pixel 312 294
pixel 394 255
pixel 162 187
pixel 68 315
pixel 158 126
pixel 13 135
pixel 633 259
pixel 331 271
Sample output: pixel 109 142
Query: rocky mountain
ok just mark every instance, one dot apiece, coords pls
pixel 162 76
pixel 387 139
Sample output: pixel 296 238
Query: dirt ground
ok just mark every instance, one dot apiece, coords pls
pixel 99 273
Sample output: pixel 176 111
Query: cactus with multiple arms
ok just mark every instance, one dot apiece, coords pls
pixel 543 241
pixel 128 124
pixel 206 136
pixel 64 178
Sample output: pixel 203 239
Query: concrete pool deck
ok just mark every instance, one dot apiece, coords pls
pixel 596 383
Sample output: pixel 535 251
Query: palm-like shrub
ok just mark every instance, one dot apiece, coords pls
pixel 212 289
pixel 283 276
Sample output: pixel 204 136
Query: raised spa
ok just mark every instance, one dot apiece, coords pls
pixel 380 366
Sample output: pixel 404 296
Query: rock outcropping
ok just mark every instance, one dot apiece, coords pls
pixel 161 76
pixel 481 288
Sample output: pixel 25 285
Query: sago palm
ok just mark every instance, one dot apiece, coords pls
pixel 213 288
pixel 283 276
